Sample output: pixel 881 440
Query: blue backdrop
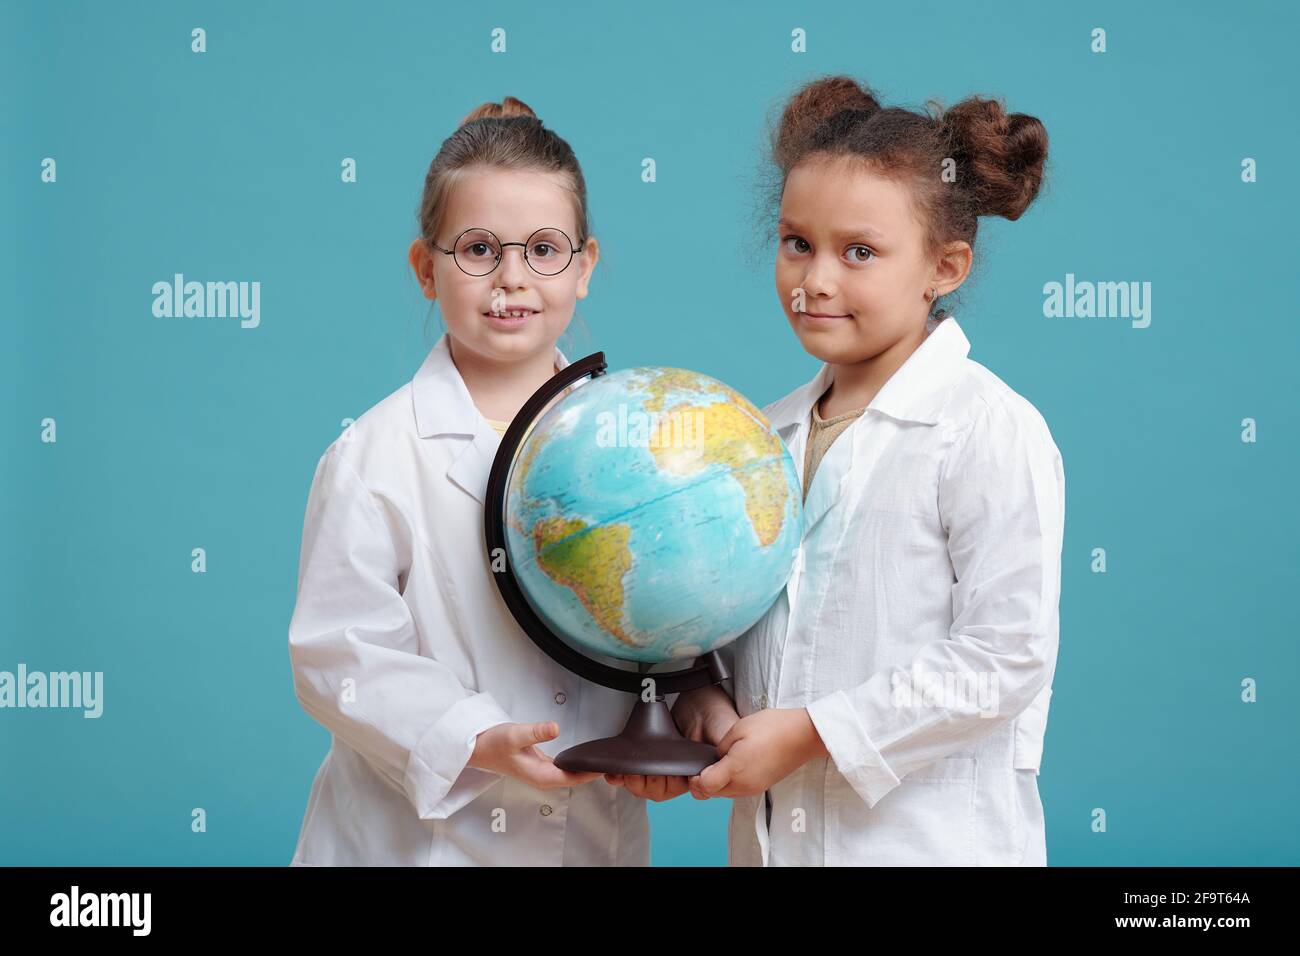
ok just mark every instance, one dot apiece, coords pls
pixel 183 433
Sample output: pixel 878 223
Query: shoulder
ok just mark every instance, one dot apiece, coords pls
pixel 790 401
pixel 983 404
pixel 381 441
pixel 771 408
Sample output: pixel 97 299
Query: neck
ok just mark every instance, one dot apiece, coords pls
pixel 499 389
pixel 857 383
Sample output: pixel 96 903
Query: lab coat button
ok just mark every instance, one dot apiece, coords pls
pixel 561 697
pixel 762 701
pixel 546 809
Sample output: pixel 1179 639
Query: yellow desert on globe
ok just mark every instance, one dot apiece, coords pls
pixel 652 514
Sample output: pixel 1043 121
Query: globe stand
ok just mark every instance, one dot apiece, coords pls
pixel 650 742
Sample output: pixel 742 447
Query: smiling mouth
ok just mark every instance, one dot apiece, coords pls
pixel 513 313
pixel 822 315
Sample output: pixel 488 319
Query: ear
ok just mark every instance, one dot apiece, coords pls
pixel 421 259
pixel 586 262
pixel 952 267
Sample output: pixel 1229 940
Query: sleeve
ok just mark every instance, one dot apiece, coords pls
pixel 353 645
pixel 1002 501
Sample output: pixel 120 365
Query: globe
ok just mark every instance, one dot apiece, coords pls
pixel 652 515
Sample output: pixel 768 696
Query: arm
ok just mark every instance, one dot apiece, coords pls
pixel 354 650
pixel 1002 498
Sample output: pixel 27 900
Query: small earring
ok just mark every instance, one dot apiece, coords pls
pixel 929 296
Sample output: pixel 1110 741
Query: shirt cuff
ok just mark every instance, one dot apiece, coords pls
pixel 851 749
pixel 438 781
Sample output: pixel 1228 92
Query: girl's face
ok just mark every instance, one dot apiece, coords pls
pixel 479 310
pixel 850 268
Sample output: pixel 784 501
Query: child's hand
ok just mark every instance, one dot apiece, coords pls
pixel 511 749
pixel 758 751
pixel 649 786
pixel 703 715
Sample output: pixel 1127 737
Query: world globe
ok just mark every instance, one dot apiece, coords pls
pixel 652 515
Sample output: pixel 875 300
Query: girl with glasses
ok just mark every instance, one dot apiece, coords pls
pixel 443 714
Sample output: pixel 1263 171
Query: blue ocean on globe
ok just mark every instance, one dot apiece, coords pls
pixel 652 515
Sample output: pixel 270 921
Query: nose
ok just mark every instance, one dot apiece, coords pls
pixel 512 272
pixel 819 277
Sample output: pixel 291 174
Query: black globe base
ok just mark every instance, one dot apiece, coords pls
pixel 649 744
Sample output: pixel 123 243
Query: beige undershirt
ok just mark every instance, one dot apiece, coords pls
pixel 500 427
pixel 822 432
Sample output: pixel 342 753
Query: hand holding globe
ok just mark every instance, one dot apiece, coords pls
pixel 705 715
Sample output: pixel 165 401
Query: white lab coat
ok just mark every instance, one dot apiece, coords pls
pixel 403 649
pixel 932 545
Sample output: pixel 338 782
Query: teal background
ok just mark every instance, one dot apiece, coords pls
pixel 180 433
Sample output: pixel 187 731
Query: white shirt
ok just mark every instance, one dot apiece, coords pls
pixel 403 649
pixel 932 546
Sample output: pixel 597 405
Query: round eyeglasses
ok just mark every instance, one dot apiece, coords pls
pixel 477 252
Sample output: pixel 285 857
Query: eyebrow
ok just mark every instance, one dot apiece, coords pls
pixel 843 234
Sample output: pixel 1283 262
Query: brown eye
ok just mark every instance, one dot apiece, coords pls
pixel 796 245
pixel 860 254
pixel 477 246
pixel 547 245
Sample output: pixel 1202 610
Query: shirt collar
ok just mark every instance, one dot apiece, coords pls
pixel 917 392
pixel 443 405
